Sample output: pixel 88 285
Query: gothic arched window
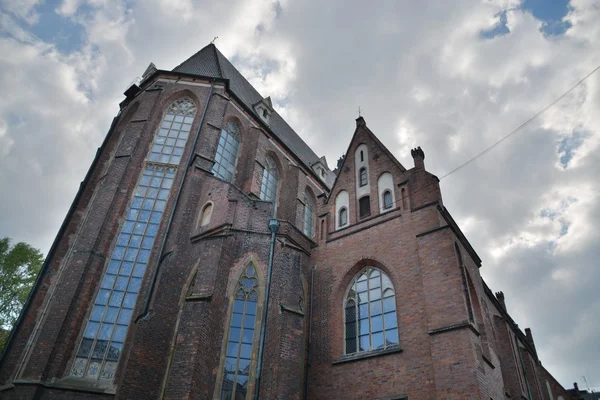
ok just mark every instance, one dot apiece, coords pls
pixel 238 356
pixel 270 179
pixel 227 150
pixel 106 328
pixel 370 312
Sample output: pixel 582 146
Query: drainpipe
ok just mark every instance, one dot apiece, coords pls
pixel 310 313
pixel 161 254
pixel 273 227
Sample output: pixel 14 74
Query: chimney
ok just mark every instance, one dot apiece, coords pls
pixel 360 121
pixel 500 297
pixel 418 156
pixel 576 386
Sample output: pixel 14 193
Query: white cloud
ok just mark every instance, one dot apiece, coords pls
pixel 421 73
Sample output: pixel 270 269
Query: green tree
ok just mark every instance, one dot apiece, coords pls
pixel 19 266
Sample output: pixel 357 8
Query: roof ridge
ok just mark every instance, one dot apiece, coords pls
pixel 214 47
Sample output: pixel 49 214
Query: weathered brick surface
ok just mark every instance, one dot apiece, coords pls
pixel 456 339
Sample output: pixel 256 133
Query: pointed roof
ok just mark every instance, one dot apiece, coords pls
pixel 361 125
pixel 211 63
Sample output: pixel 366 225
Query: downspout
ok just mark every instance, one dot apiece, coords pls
pixel 273 227
pixel 162 256
pixel 310 313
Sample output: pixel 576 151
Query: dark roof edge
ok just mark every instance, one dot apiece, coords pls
pixel 463 239
pixel 248 110
pixel 511 322
pixel 57 239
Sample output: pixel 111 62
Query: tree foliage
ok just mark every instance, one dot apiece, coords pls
pixel 19 267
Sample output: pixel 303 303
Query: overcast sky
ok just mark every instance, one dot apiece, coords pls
pixel 450 76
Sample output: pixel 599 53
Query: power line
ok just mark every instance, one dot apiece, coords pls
pixel 524 124
pixel 514 131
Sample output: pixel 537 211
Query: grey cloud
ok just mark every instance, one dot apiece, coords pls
pixel 419 66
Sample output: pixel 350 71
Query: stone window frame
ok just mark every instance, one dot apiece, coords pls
pixel 238 271
pixel 204 207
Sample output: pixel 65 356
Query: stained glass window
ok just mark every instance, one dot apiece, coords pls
pixel 110 317
pixel 270 178
pixel 226 156
pixel 238 356
pixel 370 312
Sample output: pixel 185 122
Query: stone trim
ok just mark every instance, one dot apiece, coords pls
pixel 68 384
pixel 292 310
pixel 367 354
pixel 431 203
pixel 432 231
pixel 199 297
pixel 395 213
pixel 450 328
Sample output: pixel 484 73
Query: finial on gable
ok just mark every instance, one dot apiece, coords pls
pixel 360 121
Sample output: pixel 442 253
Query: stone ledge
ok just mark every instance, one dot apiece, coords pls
pixel 367 354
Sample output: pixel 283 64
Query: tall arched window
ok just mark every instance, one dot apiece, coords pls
pixel 309 212
pixel 363 176
pixel 227 150
pixel 370 312
pixel 106 327
pixel 270 179
pixel 241 335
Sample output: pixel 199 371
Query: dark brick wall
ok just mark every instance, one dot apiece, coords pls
pixel 176 350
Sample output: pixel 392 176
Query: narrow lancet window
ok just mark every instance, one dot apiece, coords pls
pixel 227 150
pixel 363 176
pixel 238 357
pixel 110 317
pixel 270 179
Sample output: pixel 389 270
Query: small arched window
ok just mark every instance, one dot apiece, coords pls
pixel 241 337
pixel 343 217
pixel 206 214
pixel 270 179
pixel 387 199
pixel 370 312
pixel 227 150
pixel 363 176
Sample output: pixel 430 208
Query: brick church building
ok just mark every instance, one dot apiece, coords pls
pixel 211 254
